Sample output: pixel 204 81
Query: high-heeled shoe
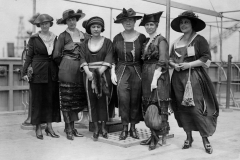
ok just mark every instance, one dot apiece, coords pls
pixel 105 135
pixel 146 141
pixel 38 136
pixel 134 134
pixel 54 135
pixel 76 134
pixel 187 144
pixel 123 135
pixel 208 148
pixel 153 144
pixel 95 136
pixel 70 135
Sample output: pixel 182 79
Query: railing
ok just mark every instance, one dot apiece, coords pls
pixel 13 91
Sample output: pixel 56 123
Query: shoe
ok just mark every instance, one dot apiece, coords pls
pixel 76 134
pixel 152 144
pixel 38 136
pixel 95 136
pixel 134 133
pixel 187 144
pixel 208 148
pixel 105 135
pixel 70 135
pixel 146 141
pixel 123 135
pixel 51 134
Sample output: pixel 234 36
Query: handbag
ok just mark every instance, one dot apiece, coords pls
pixel 152 118
pixel 188 93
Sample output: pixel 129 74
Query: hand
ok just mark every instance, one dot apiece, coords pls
pixel 177 67
pixel 114 78
pixel 89 76
pixel 185 65
pixel 156 75
pixel 25 78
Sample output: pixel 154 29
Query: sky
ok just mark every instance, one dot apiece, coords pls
pixel 11 10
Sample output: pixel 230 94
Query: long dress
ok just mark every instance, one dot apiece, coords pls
pixel 72 92
pixel 203 116
pixel 44 82
pixel 98 106
pixel 153 59
pixel 127 58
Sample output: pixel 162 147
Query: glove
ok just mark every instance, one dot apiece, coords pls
pixel 113 76
pixel 156 75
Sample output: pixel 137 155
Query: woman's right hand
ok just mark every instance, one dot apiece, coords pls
pixel 25 78
pixel 114 78
pixel 177 67
pixel 90 76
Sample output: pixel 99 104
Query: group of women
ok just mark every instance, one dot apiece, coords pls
pixel 79 71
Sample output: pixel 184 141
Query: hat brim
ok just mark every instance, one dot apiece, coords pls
pixel 198 26
pixel 121 19
pixel 77 15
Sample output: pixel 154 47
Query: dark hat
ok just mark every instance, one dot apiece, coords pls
pixel 69 14
pixel 130 13
pixel 197 24
pixel 40 18
pixel 94 20
pixel 154 17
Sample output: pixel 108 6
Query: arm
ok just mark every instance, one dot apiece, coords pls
pixel 172 64
pixel 29 58
pixel 204 60
pixel 107 63
pixel 57 54
pixel 114 62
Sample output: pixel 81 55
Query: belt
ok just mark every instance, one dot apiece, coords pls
pixel 129 63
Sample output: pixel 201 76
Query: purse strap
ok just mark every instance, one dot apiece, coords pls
pixel 151 96
pixel 189 74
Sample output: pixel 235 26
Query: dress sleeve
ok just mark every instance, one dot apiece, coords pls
pixel 29 56
pixel 204 51
pixel 114 48
pixel 109 54
pixel 57 54
pixel 82 51
pixel 163 55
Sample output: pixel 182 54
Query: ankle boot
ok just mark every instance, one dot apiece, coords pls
pixel 74 131
pixel 69 132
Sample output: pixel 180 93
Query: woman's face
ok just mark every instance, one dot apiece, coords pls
pixel 96 30
pixel 71 22
pixel 185 25
pixel 151 27
pixel 45 26
pixel 128 23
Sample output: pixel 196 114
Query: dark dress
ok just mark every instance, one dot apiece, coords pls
pixel 71 87
pixel 203 116
pixel 44 83
pixel 98 107
pixel 127 58
pixel 153 59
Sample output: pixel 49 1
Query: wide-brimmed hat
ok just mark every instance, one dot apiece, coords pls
pixel 197 24
pixel 38 18
pixel 154 17
pixel 130 13
pixel 69 14
pixel 94 20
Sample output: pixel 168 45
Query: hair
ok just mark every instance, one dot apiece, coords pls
pixel 135 19
pixel 51 23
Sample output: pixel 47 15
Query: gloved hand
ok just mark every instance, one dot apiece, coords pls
pixel 156 75
pixel 25 78
pixel 113 76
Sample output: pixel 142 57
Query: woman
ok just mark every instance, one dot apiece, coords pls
pixel 44 81
pixel 96 59
pixel 191 52
pixel 72 92
pixel 127 56
pixel 155 76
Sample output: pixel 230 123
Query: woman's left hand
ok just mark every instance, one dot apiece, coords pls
pixel 184 65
